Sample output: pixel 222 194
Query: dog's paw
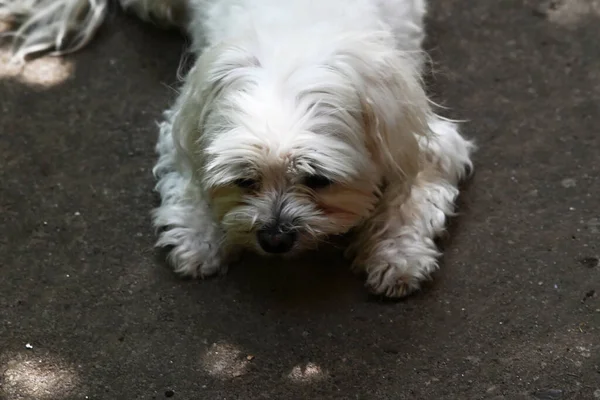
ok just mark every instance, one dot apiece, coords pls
pixel 399 277
pixel 190 254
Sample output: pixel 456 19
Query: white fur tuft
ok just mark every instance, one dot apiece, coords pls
pixel 60 26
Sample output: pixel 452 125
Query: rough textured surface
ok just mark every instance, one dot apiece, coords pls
pixel 88 309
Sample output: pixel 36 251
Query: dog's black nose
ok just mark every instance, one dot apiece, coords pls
pixel 273 240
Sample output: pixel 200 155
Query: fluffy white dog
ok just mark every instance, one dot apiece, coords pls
pixel 301 119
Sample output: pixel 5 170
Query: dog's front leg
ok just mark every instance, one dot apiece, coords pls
pixel 396 247
pixel 184 218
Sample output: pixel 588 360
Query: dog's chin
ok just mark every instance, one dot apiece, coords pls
pixel 256 249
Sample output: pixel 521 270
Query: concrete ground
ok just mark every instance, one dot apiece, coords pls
pixel 88 310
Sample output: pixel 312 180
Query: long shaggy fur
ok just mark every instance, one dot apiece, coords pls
pixel 300 120
pixel 59 26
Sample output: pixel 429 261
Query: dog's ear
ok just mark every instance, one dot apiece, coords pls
pixel 394 104
pixel 218 68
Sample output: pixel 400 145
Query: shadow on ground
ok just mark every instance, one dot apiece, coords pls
pixel 90 311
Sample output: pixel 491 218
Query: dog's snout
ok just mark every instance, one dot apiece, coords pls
pixel 275 240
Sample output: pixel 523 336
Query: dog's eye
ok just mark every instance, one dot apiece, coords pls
pixel 317 181
pixel 246 183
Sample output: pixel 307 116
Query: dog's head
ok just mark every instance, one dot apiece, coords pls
pixel 291 150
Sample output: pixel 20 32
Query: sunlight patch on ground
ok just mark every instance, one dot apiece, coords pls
pixel 37 377
pixel 310 372
pixel 44 72
pixel 571 13
pixel 225 361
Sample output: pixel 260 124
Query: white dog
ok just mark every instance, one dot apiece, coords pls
pixel 301 119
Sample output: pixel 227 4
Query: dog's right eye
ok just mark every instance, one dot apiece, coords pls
pixel 246 183
pixel 317 182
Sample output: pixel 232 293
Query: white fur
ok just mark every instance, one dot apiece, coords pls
pixel 283 92
pixel 189 226
pixel 60 25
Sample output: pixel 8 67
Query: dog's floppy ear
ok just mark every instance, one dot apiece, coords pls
pixel 394 104
pixel 216 69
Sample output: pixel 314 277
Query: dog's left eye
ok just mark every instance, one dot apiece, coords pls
pixel 246 183
pixel 317 181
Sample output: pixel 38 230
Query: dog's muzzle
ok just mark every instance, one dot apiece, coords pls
pixel 275 240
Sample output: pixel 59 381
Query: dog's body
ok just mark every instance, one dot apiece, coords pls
pixel 300 120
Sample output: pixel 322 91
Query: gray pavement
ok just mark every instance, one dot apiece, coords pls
pixel 88 309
